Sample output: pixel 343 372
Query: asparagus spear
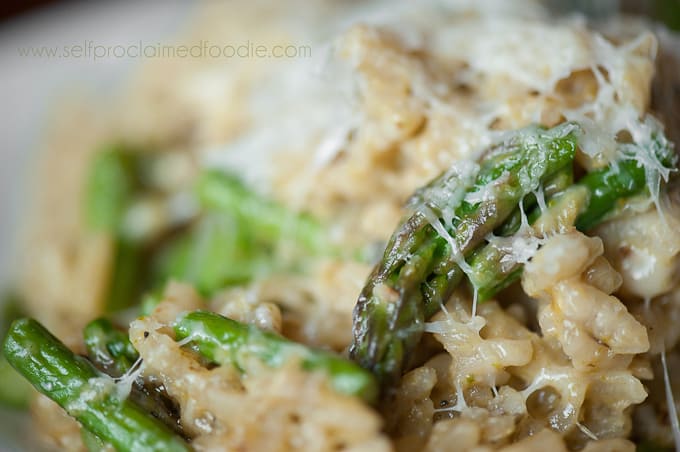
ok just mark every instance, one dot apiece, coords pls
pixel 111 351
pixel 422 262
pixel 488 272
pixel 125 282
pixel 239 237
pixel 218 251
pixel 610 187
pixel 595 196
pixel 71 381
pixel 227 342
pixel 15 392
pixel 110 186
pixel 222 192
pixel 389 314
pixel 491 272
pixel 552 187
pixel 110 189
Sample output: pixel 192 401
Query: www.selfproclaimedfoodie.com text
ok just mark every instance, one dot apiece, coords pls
pixel 203 49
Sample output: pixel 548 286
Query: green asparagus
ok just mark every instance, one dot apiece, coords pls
pixel 222 192
pixel 126 275
pixel 241 235
pixel 216 252
pixel 73 383
pixel 15 391
pixel 227 342
pixel 443 241
pixel 596 195
pixel 421 267
pixel 111 351
pixel 111 186
pixel 490 272
pixel 636 170
pixel 552 188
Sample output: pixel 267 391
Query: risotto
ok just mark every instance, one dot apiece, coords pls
pixel 450 226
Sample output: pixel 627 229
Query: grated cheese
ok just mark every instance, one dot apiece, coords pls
pixel 670 401
pixel 98 387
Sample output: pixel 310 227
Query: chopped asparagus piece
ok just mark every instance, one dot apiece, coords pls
pixel 222 192
pixel 228 342
pixel 109 190
pixel 219 251
pixel 241 235
pixel 70 381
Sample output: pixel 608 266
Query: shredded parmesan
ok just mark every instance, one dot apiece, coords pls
pixel 104 385
pixel 670 401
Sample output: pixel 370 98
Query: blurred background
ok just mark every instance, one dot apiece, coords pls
pixel 30 86
pixel 667 11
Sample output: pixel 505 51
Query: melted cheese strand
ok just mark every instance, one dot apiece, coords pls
pixel 670 401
